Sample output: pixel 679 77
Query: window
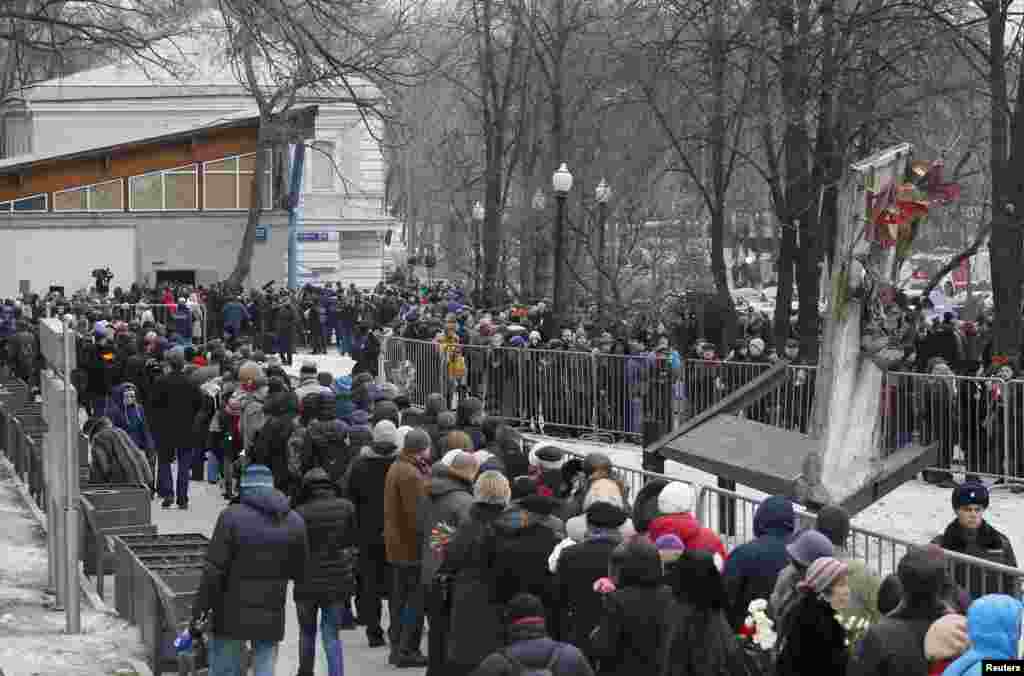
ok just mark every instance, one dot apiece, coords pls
pixel 174 189
pixel 227 183
pixel 323 165
pixel 33 203
pixel 107 196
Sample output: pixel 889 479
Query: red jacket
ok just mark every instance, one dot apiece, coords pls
pixel 689 530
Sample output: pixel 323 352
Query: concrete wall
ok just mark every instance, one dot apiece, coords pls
pixel 38 248
pixel 63 249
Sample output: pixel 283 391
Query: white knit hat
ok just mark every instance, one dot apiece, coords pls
pixel 400 435
pixel 676 498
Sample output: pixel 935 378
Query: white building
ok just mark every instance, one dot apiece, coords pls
pixel 343 218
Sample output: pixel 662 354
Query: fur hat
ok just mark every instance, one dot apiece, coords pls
pixel 416 440
pixel 676 498
pixel 548 457
pixel 400 435
pixel 834 523
pixel 970 493
pixel 308 367
pixel 605 515
pixel 492 488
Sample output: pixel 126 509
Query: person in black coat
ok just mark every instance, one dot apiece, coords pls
pixel 813 641
pixel 258 545
pixel 630 637
pixel 578 567
pixel 529 648
pixel 271 450
pixel 699 641
pixel 330 579
pixel 175 401
pixel 364 486
pixel 753 567
pixel 326 442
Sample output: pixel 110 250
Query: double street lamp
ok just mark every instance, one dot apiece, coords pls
pixel 478 220
pixel 561 183
pixel 602 193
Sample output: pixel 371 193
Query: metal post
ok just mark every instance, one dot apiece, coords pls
pixel 558 293
pixel 72 608
pixel 602 281
pixel 298 162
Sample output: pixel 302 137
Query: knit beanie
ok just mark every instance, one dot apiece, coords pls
pixel 670 547
pixel 492 488
pixel 257 476
pixel 416 440
pixel 449 457
pixel 463 466
pixel 384 432
pixel 922 575
pixel 523 606
pixel 834 523
pixel 890 592
pixel 809 546
pixel 676 498
pixel 523 486
pixel 821 574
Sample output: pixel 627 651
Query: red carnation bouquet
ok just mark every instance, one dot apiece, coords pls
pixel 440 536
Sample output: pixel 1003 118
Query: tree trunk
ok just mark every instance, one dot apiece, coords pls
pixel 492 225
pixel 719 177
pixel 243 264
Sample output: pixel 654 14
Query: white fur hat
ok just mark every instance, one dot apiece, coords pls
pixel 676 498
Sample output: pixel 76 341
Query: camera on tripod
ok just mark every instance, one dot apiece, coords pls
pixel 103 277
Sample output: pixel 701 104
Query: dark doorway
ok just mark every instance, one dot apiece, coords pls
pixel 186 277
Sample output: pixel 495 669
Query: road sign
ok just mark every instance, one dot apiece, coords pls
pixel 314 236
pixel 261 233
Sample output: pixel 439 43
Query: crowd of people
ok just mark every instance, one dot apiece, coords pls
pixel 518 559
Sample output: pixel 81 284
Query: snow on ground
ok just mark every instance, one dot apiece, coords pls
pixel 914 512
pixel 32 638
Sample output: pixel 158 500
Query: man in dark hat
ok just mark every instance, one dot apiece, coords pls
pixel 970 534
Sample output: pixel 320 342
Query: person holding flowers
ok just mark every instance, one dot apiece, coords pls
pixel 813 641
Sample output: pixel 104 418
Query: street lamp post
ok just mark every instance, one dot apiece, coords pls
pixel 478 219
pixel 602 193
pixel 530 283
pixel 561 183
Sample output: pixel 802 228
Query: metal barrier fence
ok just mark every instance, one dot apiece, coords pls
pixel 731 515
pixel 977 422
pixel 549 390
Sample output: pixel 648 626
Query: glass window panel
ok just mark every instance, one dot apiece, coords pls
pixel 147 192
pixel 220 191
pixel 244 190
pixel 70 200
pixel 247 162
pixel 181 190
pixel 229 165
pixel 106 197
pixel 35 203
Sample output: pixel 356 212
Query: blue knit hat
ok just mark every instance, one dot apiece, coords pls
pixel 257 476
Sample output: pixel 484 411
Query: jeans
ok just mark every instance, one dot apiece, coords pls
pixel 407 601
pixel 344 333
pixel 330 623
pixel 225 656
pixel 163 480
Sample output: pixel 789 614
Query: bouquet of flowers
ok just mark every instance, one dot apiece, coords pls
pixel 440 536
pixel 758 636
pixel 856 627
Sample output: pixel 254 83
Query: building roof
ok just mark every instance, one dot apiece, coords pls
pixel 200 63
pixel 244 118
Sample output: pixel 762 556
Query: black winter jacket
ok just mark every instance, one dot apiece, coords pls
pixel 174 402
pixel 530 645
pixel 579 566
pixel 524 543
pixel 815 642
pixel 364 486
pixel 990 545
pixel 258 545
pixel 630 637
pixel 272 443
pixel 330 528
pixel 894 646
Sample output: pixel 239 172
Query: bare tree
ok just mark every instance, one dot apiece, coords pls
pixel 286 51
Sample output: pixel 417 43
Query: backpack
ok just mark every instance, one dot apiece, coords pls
pixel 520 669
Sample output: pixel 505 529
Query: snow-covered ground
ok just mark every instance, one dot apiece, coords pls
pixel 32 638
pixel 914 512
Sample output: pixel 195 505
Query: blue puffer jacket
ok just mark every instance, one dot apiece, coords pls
pixel 530 646
pixel 752 568
pixel 993 625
